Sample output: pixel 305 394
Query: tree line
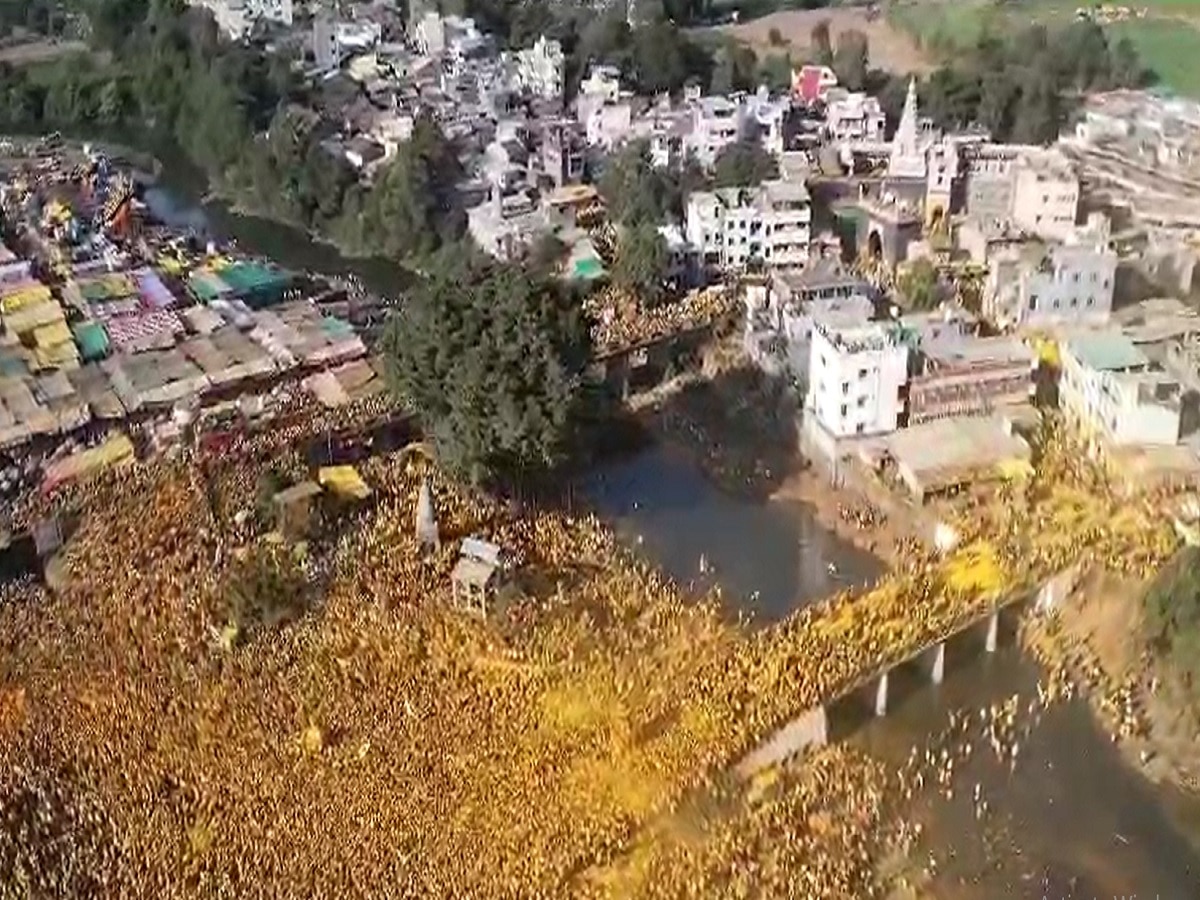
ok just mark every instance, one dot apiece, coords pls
pixel 243 117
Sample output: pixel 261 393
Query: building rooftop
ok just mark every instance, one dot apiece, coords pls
pixel 979 352
pixel 858 338
pixel 780 191
pixel 944 453
pixel 1106 352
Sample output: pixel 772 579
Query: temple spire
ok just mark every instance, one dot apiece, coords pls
pixel 906 157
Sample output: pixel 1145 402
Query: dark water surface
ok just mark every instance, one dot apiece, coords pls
pixel 767 557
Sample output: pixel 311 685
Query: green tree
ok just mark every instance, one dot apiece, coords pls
pixel 1127 69
pixel 821 44
pixel 919 285
pixel 641 263
pixel 633 190
pixel 775 71
pixel 1172 618
pixel 744 163
pixel 850 62
pixel 112 103
pixel 413 207
pixel 491 359
pixel 734 66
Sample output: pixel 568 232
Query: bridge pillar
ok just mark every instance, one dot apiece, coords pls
pixel 881 695
pixel 993 631
pixel 937 663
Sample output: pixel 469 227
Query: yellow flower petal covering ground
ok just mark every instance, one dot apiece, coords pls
pixel 383 746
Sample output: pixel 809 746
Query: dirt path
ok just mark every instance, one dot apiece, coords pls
pixel 890 48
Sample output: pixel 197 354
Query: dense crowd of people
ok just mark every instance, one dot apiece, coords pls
pixel 383 745
pixel 622 321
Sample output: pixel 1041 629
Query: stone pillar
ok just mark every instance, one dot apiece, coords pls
pixel 937 663
pixel 881 695
pixel 993 632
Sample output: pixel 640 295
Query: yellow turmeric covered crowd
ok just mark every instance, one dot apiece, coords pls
pixel 577 743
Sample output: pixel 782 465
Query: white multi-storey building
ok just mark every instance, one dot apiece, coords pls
pixel 603 82
pixel 856 379
pixel 1036 285
pixel 540 68
pixel 853 116
pixel 1110 388
pixel 1045 194
pixel 717 122
pixel 771 223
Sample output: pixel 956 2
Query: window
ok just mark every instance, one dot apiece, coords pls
pixel 845 387
pixel 843 410
pixel 862 373
pixel 862 401
pixel 1033 301
pixel 1090 301
pixel 1075 278
pixel 1057 304
pixel 859 428
pixel 1074 302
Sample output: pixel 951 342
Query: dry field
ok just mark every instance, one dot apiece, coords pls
pixel 891 48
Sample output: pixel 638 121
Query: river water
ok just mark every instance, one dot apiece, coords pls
pixel 1073 820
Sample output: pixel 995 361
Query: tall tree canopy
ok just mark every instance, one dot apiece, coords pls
pixel 1172 618
pixel 1022 85
pixel 634 191
pixel 851 59
pixel 641 264
pixel 744 163
pixel 491 360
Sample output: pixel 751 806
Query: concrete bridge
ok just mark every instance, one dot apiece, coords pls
pixel 811 727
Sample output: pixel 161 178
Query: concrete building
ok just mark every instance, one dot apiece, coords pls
pixel 540 69
pixel 857 377
pixel 781 317
pixel 504 226
pixel 1114 392
pixel 326 53
pixel 988 171
pixel 1036 285
pixel 730 227
pixel 603 82
pixel 609 126
pixel 812 84
pixel 666 134
pixel 973 376
pixel 1045 200
pixel 770 118
pixel 717 122
pixel 854 116
pixel 563 150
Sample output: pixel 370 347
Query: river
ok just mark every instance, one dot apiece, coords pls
pixel 1072 820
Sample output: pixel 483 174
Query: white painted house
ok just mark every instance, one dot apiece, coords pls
pixel 771 223
pixel 1116 394
pixel 856 379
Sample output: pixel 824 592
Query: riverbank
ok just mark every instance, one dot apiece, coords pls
pixel 1096 638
